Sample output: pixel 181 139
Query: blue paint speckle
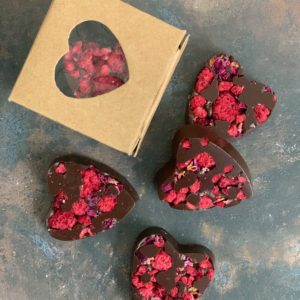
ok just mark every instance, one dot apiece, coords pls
pixel 51 252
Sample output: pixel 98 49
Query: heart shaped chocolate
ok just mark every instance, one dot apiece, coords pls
pixel 223 97
pixel 163 269
pixel 88 198
pixel 95 63
pixel 205 171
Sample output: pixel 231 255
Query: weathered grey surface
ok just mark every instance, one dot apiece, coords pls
pixel 257 244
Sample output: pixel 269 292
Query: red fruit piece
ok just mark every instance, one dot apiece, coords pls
pixel 186 144
pixel 225 86
pixel 225 108
pixel 85 232
pixel 79 207
pixel 106 84
pixel 62 220
pixel 261 113
pixel 204 79
pixel 200 112
pixel 105 70
pixel 107 204
pixel 60 168
pixel 116 63
pixel 205 160
pixel 162 261
pixel 195 187
pixel 85 86
pixel 205 202
pixel 85 220
pixel 197 101
pixel 170 196
pixel 59 199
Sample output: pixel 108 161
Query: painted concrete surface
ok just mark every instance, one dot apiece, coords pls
pixel 257 243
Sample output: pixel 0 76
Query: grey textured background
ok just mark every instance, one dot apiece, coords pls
pixel 257 244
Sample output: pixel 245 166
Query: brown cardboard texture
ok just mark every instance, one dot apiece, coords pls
pixel 118 118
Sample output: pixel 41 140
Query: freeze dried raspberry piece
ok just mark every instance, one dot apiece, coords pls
pixel 225 99
pixel 261 113
pixel 168 270
pixel 107 203
pixel 205 202
pixel 92 67
pixel 204 79
pixel 79 207
pixel 88 198
pixel 104 84
pixel 162 261
pixel 60 168
pixel 226 108
pixel 208 173
pixel 62 220
pixel 204 160
pixel 59 200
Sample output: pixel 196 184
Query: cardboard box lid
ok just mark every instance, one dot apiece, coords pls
pixel 120 118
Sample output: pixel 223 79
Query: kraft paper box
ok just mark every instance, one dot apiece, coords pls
pixel 100 67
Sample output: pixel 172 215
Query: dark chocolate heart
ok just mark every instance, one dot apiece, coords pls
pixel 95 63
pixel 223 97
pixel 205 171
pixel 164 269
pixel 88 198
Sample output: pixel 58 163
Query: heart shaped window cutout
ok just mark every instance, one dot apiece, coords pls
pixel 95 63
